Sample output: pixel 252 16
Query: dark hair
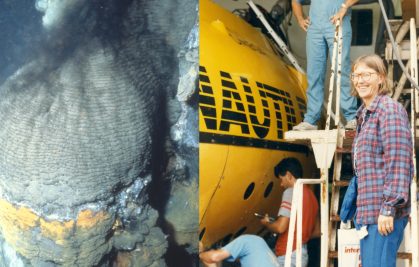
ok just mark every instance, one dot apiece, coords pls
pixel 289 164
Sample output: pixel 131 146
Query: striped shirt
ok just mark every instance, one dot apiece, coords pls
pixel 382 152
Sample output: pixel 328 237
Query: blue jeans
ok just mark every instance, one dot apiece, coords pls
pixel 320 38
pixel 381 251
pixel 304 257
pixel 252 251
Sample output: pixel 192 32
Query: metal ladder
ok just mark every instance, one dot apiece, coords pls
pixel 324 144
pixel 344 145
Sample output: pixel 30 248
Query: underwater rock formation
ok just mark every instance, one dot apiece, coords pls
pixel 84 123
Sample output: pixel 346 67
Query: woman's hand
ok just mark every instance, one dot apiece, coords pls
pixel 385 224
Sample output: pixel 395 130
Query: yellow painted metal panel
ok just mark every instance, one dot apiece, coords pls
pixel 228 211
pixel 212 160
pixel 230 45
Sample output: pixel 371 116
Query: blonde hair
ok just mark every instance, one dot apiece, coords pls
pixel 376 63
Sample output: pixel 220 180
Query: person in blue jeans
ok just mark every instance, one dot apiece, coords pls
pixel 320 30
pixel 382 159
pixel 251 250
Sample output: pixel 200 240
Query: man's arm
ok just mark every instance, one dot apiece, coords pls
pixel 350 3
pixel 210 258
pixel 342 11
pixel 279 226
pixel 297 9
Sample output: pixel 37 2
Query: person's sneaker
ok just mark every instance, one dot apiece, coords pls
pixel 351 125
pixel 304 126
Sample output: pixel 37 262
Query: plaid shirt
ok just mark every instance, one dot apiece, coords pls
pixel 382 152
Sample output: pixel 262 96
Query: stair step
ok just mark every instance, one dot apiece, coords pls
pixel 333 254
pixel 335 218
pixel 341 183
pixel 343 150
pixel 404 255
pixel 347 141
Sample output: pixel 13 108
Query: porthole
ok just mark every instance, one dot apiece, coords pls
pixel 249 191
pixel 226 239
pixel 202 233
pixel 268 189
pixel 240 232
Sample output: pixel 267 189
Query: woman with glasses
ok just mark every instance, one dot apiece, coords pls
pixel 382 160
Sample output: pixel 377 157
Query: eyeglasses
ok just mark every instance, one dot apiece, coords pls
pixel 366 76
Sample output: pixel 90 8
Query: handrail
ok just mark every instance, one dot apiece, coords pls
pixel 337 43
pixel 339 74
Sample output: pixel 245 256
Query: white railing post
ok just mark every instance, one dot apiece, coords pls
pixel 332 76
pixel 338 75
pixel 414 109
pixel 291 228
pixel 300 224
